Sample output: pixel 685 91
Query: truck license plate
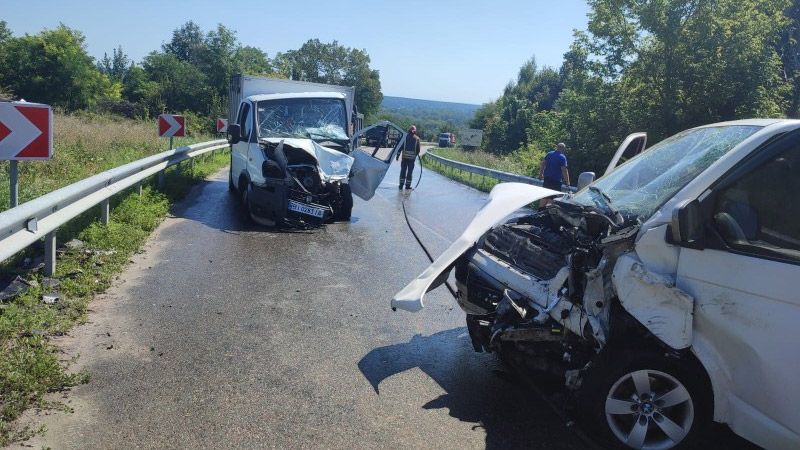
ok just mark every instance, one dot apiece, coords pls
pixel 306 209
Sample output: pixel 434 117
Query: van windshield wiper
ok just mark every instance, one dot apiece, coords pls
pixel 602 199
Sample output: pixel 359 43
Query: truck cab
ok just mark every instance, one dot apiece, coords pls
pixel 295 158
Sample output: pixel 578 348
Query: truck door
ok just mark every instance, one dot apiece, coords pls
pixel 630 147
pixel 239 150
pixel 373 150
pixel 744 281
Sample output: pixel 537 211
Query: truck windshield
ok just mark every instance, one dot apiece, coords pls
pixel 640 186
pixel 311 118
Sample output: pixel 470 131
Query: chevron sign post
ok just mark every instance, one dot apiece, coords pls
pixel 26 132
pixel 222 125
pixel 171 125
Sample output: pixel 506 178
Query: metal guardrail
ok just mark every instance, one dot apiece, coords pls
pixel 491 173
pixel 39 218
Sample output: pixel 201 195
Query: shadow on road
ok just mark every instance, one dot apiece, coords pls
pixel 507 411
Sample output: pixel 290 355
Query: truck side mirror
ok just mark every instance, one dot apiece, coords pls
pixel 686 228
pixel 585 179
pixel 234 133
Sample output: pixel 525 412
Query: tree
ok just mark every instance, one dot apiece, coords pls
pixel 332 63
pixel 688 62
pixel 187 44
pixel 115 67
pixel 53 67
pixel 789 49
pixel 5 33
pixel 139 89
pixel 181 86
pixel 253 61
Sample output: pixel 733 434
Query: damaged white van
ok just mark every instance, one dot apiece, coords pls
pixel 295 158
pixel 666 294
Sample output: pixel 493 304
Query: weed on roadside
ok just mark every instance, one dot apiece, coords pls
pixel 30 364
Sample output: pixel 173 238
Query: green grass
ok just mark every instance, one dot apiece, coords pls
pixel 514 163
pixel 30 364
pixel 83 146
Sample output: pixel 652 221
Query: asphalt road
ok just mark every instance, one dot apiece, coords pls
pixel 223 334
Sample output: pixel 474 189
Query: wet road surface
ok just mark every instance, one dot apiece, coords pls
pixel 223 334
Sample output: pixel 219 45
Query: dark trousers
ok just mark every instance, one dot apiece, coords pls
pixel 406 169
pixel 552 184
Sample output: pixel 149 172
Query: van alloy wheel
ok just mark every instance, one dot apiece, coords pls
pixel 649 409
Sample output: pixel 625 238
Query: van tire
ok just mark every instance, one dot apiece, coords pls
pixel 244 195
pixel 612 377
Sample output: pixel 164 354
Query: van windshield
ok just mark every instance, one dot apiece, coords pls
pixel 640 186
pixel 310 118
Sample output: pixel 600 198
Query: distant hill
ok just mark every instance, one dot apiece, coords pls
pixel 429 116
pixel 403 103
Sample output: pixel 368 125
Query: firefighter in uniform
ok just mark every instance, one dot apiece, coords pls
pixel 409 155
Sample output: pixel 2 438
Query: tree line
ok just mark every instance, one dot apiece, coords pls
pixel 656 66
pixel 190 73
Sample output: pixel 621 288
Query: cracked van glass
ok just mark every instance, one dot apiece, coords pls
pixel 640 186
pixel 305 118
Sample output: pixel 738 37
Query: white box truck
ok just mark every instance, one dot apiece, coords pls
pixel 296 157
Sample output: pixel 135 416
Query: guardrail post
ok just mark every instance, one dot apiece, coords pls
pixel 14 185
pixel 139 188
pixel 105 211
pixel 161 179
pixel 50 254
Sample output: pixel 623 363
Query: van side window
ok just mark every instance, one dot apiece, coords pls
pixel 244 120
pixel 760 213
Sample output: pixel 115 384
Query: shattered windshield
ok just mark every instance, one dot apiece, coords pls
pixel 640 186
pixel 311 118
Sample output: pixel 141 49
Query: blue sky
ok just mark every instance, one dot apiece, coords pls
pixel 462 51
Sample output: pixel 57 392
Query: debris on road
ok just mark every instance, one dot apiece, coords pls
pixel 17 286
pixel 50 283
pixel 51 298
pixel 74 243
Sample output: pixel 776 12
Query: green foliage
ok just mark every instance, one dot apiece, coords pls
pixel 655 66
pixel 505 122
pixel 181 85
pixel 116 66
pixel 191 72
pixel 253 61
pixel 789 49
pixel 333 63
pixel 53 67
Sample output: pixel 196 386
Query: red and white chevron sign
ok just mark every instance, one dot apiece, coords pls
pixel 26 131
pixel 222 125
pixel 170 125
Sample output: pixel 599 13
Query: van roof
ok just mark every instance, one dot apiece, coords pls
pixel 263 97
pixel 749 122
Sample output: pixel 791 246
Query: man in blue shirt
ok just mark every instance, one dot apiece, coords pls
pixel 553 170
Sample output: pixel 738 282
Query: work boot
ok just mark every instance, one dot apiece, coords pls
pixel 408 186
pixel 401 186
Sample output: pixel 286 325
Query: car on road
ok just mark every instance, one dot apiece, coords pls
pixel 294 160
pixel 663 294
pixel 446 140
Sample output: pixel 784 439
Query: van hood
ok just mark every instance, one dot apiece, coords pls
pixel 333 165
pixel 504 199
